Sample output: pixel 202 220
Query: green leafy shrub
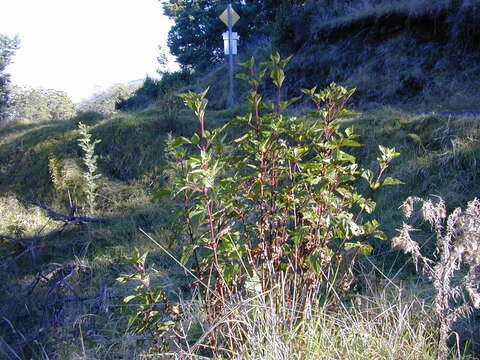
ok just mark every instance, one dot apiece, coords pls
pixel 281 207
pixel 170 105
pixel 144 96
pixel 73 183
pixel 152 304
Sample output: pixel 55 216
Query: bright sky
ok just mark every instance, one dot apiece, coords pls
pixel 82 46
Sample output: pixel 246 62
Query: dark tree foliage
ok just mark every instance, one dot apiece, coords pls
pixel 144 96
pixel 7 50
pixel 196 37
pixel 153 91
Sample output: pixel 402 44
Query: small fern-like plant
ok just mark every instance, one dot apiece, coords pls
pixel 457 256
pixel 90 161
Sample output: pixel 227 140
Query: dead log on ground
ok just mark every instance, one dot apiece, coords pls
pixel 68 220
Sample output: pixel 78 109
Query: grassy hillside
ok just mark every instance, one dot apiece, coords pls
pixel 439 157
pixel 409 60
pixel 417 52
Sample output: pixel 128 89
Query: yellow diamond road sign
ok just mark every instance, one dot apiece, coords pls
pixel 224 17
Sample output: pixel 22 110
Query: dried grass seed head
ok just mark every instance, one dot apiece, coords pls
pixel 434 213
pixel 405 242
pixel 465 227
pixel 408 205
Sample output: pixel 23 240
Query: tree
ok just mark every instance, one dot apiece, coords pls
pixel 162 60
pixel 139 98
pixel 34 105
pixel 106 101
pixel 195 38
pixel 7 50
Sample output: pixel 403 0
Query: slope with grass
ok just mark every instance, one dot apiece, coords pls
pixel 59 298
pixel 37 310
pixel 415 52
pixel 80 314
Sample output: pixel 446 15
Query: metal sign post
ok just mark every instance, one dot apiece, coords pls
pixel 230 17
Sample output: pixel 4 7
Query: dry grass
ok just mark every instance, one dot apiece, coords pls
pixel 454 268
pixel 18 220
pixel 386 324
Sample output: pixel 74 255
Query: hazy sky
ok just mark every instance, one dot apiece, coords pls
pixel 81 46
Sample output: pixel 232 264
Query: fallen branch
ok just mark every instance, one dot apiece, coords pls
pixel 67 219
pixel 31 239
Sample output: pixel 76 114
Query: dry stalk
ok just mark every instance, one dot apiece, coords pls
pixel 454 268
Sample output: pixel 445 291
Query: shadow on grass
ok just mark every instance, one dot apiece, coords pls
pixel 46 311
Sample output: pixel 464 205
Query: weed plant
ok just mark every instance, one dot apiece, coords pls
pixel 454 269
pixel 90 161
pixel 280 208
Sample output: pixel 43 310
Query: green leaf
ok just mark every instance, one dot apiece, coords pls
pixel 143 258
pixel 368 205
pixel 195 139
pixel 293 100
pixel 310 92
pixel 314 262
pixel 131 321
pixel 242 76
pixel 278 77
pixel 392 181
pixel 187 253
pixel 166 325
pixel 364 249
pixel 181 140
pixel 343 156
pixel 240 139
pixel 380 235
pixel 349 142
pixel 262 73
pixel 367 175
pixel 387 153
pixel 196 217
pixel 229 272
pixel 204 92
pixel 129 298
pixel 254 83
pixel 248 63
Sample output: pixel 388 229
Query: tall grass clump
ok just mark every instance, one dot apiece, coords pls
pixel 384 325
pixel 275 215
pixel 454 266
